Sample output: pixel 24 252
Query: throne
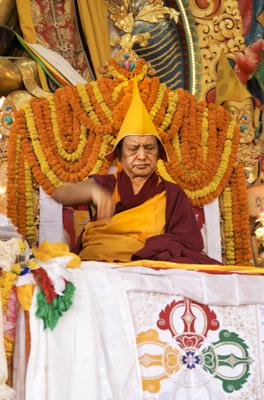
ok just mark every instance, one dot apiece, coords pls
pixel 166 329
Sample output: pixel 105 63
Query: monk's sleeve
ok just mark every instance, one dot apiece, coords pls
pixel 106 181
pixel 182 241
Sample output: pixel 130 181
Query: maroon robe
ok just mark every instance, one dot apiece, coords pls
pixel 182 241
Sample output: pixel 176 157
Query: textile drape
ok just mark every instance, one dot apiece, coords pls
pixel 25 19
pixel 29 32
pixel 93 17
pixel 5 391
pixel 54 25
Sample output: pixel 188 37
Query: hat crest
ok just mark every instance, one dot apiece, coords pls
pixel 137 121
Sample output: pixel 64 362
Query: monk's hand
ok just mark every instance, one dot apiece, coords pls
pixel 102 199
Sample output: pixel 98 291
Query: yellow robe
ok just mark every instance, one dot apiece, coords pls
pixel 125 233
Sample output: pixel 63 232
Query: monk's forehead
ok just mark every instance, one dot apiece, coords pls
pixel 140 139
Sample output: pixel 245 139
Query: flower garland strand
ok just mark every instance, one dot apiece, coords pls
pixel 7 280
pixel 31 233
pixel 13 155
pixel 228 226
pixel 65 138
pixel 243 254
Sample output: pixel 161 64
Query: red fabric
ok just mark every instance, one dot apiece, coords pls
pixel 130 200
pixel 68 225
pixel 246 11
pixel 74 242
pixel 42 279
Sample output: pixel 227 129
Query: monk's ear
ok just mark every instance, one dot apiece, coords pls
pixel 118 150
pixel 160 149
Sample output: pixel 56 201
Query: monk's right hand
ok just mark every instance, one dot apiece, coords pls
pixel 103 201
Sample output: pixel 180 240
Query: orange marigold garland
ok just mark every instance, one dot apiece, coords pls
pixel 204 184
pixel 7 282
pixel 65 138
pixel 228 226
pixel 29 217
pixel 240 217
pixel 13 155
pixel 21 196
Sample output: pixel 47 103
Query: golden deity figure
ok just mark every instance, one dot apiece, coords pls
pixel 232 94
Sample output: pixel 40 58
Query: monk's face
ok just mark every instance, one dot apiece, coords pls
pixel 139 155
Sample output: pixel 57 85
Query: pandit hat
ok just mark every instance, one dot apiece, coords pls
pixel 137 121
pixel 228 85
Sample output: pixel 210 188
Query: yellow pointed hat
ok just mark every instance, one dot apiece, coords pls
pixel 228 85
pixel 137 122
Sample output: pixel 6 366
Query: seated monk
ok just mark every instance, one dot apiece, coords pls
pixel 139 215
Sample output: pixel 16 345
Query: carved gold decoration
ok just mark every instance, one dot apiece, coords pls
pixel 7 111
pixel 154 11
pixel 18 71
pixel 260 18
pixel 3 187
pixel 19 97
pixel 6 9
pixel 249 155
pixel 248 152
pixel 127 40
pixel 10 78
pixel 243 113
pixel 29 74
pixel 219 29
pixel 125 14
pixel 190 40
pixel 235 98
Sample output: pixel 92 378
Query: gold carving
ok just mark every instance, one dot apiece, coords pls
pixel 125 13
pixel 248 151
pixel 29 73
pixel 22 71
pixel 10 78
pixel 260 18
pixel 6 9
pixel 127 40
pixel 243 113
pixel 219 28
pixel 153 12
pixel 7 111
pixel 3 187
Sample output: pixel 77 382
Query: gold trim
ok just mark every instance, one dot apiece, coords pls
pixel 28 71
pixel 172 79
pixel 162 69
pixel 192 66
pixel 157 27
pixel 125 13
pixel 160 48
pixel 156 44
pixel 153 63
pixel 260 18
